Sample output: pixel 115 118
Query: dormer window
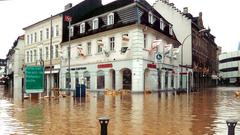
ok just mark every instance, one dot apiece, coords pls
pixel 95 24
pixel 161 24
pixel 150 17
pixel 170 30
pixel 110 19
pixel 82 28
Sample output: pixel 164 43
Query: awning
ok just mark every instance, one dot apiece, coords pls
pixel 53 72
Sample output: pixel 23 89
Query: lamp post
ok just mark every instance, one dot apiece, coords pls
pixel 181 75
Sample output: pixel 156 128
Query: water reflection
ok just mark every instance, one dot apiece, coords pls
pixel 199 113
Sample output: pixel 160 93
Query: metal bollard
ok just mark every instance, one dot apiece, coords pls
pixel 104 123
pixel 231 126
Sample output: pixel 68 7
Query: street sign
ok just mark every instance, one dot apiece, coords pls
pixel 158 57
pixel 34 76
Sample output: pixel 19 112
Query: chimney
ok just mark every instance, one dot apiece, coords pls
pixel 68 6
pixel 185 10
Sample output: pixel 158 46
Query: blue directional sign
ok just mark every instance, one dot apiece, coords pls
pixel 158 57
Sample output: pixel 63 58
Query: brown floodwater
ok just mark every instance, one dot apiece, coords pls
pixel 166 113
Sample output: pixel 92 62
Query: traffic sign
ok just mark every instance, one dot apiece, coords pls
pixel 158 57
pixel 34 76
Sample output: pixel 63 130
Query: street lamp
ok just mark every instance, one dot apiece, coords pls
pixel 181 75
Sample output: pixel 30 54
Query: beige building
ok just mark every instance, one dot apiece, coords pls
pixel 38 42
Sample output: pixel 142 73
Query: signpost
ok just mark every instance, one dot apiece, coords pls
pixel 34 79
pixel 158 57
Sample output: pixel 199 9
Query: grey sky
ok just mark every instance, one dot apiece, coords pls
pixel 221 16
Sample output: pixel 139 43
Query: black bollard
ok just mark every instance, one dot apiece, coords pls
pixel 231 126
pixel 104 123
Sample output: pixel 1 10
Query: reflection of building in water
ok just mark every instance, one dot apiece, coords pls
pixel 114 46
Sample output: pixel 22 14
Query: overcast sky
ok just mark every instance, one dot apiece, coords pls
pixel 220 15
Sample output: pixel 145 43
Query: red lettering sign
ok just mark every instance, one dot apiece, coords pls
pixel 151 66
pixel 104 65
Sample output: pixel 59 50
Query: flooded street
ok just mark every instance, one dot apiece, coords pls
pixel 199 113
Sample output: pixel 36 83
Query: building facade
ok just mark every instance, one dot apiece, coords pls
pixel 198 49
pixel 229 68
pixel 42 45
pixel 122 45
pixel 14 68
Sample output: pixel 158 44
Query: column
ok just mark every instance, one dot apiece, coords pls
pixel 137 62
pixel 118 80
pixel 163 80
pixel 108 80
pixel 169 80
pixel 93 81
pixel 137 76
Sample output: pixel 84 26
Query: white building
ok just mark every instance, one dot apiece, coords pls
pixel 115 48
pixel 182 27
pixel 39 38
pixel 15 61
pixel 229 67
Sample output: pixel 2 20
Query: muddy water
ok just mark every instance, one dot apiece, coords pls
pixel 199 113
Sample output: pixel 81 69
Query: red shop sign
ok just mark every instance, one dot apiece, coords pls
pixel 105 65
pixel 151 66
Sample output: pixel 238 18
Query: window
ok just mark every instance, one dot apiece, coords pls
pixel 82 28
pixel 35 37
pixel 150 17
pixel 41 35
pixel 99 49
pixel 112 43
pixel 145 41
pixel 161 24
pixel 71 31
pixel 46 52
pixel 110 19
pixel 31 41
pixel 57 30
pixel 68 80
pixel 170 30
pixel 89 48
pixel 47 33
pixel 52 31
pixel 40 53
pixel 31 56
pixel 35 55
pixel 27 57
pixel 56 51
pixel 28 40
pixel 95 24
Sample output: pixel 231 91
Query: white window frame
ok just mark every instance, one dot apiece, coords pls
pixel 56 51
pixel 27 56
pixel 161 24
pixel 35 55
pixel 145 41
pixel 82 28
pixel 41 35
pixel 99 48
pixel 57 30
pixel 46 52
pixel 47 33
pixel 31 56
pixel 170 30
pixel 35 37
pixel 31 40
pixel 110 19
pixel 150 17
pixel 89 48
pixel 95 23
pixel 28 39
pixel 112 43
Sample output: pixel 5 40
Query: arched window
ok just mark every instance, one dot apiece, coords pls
pixel 95 24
